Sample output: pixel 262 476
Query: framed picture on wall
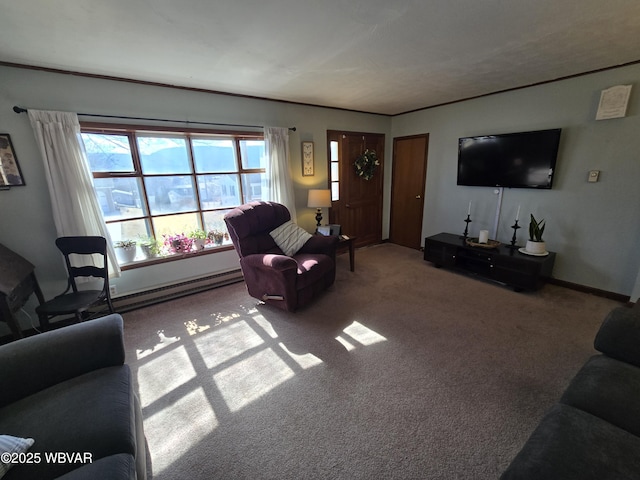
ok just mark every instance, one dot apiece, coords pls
pixel 10 173
pixel 307 159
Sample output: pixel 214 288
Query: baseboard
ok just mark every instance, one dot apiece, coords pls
pixel 144 298
pixel 593 291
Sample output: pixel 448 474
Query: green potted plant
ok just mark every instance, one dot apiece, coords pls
pixel 536 245
pixel 199 238
pixel 217 236
pixel 125 250
pixel 150 247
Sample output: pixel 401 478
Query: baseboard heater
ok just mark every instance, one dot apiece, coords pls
pixel 132 301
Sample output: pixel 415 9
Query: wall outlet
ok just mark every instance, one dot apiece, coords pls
pixel 113 290
pixel 594 175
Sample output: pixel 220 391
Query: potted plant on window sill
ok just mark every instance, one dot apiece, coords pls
pixel 199 238
pixel 217 237
pixel 150 247
pixel 178 244
pixel 125 251
pixel 536 245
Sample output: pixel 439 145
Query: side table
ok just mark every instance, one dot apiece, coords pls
pixel 347 242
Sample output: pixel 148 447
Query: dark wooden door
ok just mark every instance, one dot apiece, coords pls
pixel 356 203
pixel 407 190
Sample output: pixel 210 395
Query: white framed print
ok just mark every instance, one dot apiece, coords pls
pixel 307 159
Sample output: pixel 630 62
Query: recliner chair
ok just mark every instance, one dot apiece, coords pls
pixel 286 282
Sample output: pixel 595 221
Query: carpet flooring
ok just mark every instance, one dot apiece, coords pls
pixel 399 371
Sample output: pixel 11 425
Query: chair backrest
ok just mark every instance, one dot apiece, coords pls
pixel 249 226
pixel 84 246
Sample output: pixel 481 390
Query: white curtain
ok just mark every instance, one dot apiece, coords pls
pixel 75 207
pixel 279 186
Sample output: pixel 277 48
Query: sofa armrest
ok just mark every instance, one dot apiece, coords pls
pixel 271 261
pixel 34 363
pixel 619 335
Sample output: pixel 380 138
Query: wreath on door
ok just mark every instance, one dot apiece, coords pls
pixel 366 164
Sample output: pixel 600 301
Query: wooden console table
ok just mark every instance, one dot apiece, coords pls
pixel 501 264
pixel 17 283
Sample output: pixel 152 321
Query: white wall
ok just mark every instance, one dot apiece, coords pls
pixel 593 227
pixel 25 212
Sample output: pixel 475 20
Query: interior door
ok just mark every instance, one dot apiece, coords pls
pixel 356 203
pixel 407 190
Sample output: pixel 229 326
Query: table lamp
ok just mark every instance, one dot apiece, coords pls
pixel 319 199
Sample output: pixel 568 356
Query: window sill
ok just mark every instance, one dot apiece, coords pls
pixel 173 258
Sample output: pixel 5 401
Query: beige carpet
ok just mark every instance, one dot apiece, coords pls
pixel 400 371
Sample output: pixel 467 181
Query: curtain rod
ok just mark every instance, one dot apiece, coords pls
pixel 24 110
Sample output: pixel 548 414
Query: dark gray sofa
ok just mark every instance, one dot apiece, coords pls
pixel 70 390
pixel 594 431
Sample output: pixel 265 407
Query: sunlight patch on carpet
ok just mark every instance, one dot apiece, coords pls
pixel 345 344
pixel 174 430
pixel 358 333
pixel 164 374
pixel 306 360
pixel 162 342
pixel 363 335
pixel 248 380
pixel 194 328
pixel 264 324
pixel 227 342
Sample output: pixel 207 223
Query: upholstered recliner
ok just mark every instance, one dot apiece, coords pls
pixel 286 282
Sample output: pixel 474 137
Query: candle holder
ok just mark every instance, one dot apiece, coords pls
pixel 515 227
pixel 466 228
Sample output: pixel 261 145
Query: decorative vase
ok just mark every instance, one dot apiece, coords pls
pixel 537 248
pixel 199 243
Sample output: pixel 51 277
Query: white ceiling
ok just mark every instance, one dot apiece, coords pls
pixel 382 56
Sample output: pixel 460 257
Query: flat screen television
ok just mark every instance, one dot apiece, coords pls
pixel 514 160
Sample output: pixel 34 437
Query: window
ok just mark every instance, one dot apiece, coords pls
pixel 157 188
pixel 334 170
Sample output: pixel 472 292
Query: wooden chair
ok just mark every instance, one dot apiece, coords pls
pixel 73 300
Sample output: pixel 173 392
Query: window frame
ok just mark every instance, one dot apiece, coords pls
pixel 132 132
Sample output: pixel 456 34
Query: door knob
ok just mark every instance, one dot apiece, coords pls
pixel 418 197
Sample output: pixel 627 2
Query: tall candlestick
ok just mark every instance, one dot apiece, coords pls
pixel 518 213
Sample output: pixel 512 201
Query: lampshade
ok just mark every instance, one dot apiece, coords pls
pixel 319 198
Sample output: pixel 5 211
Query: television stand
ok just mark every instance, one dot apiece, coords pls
pixel 502 264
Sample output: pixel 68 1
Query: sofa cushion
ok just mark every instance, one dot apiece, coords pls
pixel 608 389
pixel 619 335
pixel 289 237
pixel 92 413
pixel 37 362
pixel 12 445
pixel 114 467
pixel 572 444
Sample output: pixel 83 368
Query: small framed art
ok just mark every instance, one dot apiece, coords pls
pixel 307 159
pixel 10 173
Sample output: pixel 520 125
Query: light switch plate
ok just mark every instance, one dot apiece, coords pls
pixel 594 175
